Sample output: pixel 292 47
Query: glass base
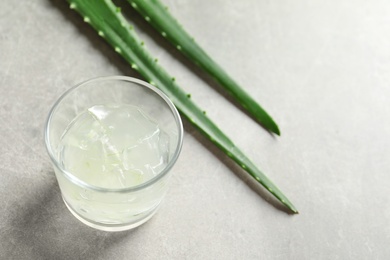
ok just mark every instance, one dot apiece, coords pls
pixel 111 227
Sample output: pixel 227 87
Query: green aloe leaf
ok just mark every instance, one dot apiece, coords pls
pixel 110 24
pixel 158 16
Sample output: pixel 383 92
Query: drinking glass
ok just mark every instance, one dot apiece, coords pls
pixel 113 209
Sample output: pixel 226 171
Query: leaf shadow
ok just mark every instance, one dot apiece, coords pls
pixel 93 38
pixel 237 170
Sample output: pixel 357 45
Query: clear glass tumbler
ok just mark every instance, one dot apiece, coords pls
pixel 106 207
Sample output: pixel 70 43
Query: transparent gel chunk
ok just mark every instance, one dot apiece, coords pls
pixel 114 147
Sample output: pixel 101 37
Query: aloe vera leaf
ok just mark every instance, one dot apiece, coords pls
pixel 108 21
pixel 159 17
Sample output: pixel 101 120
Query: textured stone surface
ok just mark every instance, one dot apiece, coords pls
pixel 321 68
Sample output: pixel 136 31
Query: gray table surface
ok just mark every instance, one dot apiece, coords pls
pixel 321 68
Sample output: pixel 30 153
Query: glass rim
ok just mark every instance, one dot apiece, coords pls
pixel 141 186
